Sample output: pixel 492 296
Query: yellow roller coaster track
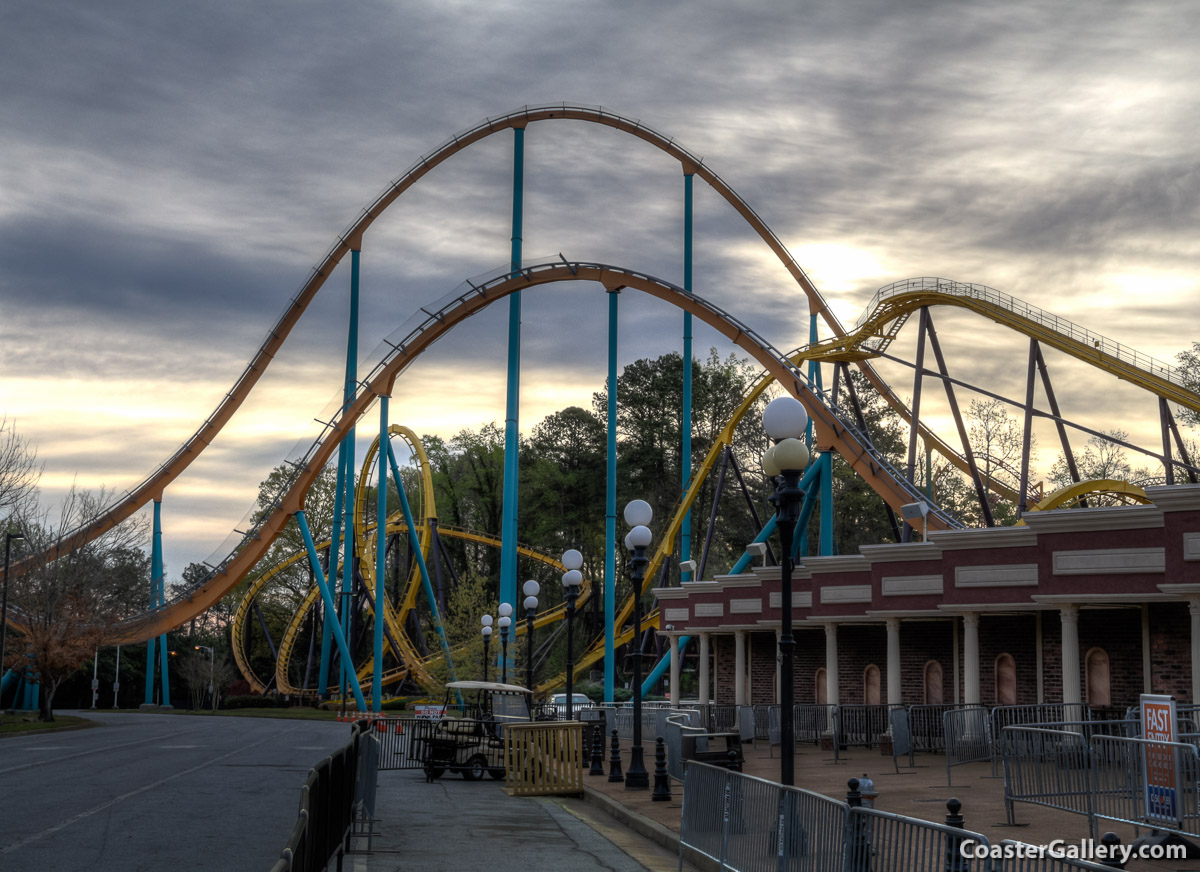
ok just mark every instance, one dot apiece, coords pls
pixel 1073 494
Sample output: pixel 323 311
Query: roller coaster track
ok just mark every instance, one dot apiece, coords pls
pixel 833 432
pixel 892 304
pixel 155 484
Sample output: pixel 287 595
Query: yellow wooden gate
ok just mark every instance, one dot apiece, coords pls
pixel 544 758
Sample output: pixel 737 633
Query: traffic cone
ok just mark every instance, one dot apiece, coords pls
pixel 399 728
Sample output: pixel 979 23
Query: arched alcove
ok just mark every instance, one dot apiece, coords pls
pixel 1099 688
pixel 820 687
pixel 934 686
pixel 1005 672
pixel 871 685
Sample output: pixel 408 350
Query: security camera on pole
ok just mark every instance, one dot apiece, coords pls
pixel 572 580
pixel 638 515
pixel 785 421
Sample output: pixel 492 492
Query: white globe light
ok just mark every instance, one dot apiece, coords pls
pixel 572 578
pixel 504 621
pixel 505 610
pixel 531 588
pixel 639 537
pixel 785 417
pixel 791 454
pixel 486 620
pixel 638 513
pixel 487 631
pixel 530 603
pixel 572 559
pixel 769 466
pixel 628 544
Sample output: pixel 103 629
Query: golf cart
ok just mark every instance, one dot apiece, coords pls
pixel 474 744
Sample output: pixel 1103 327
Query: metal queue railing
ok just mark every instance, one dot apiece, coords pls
pixel 338 794
pixel 749 824
pixel 1102 777
pixel 968 737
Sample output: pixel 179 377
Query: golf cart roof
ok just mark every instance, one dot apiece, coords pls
pixel 485 685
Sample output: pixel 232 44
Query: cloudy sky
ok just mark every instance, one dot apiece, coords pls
pixel 170 173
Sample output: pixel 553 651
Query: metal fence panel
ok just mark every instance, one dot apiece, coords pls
pixel 745 723
pixel 882 840
pixel 967 737
pixel 1045 767
pixel 705 809
pixel 813 721
pixel 1119 778
pixel 814 832
pixel 926 724
pixel 722 718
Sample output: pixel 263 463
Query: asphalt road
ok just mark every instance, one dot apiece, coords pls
pixel 156 791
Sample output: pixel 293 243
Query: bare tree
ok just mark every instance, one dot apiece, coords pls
pixel 19 472
pixel 68 607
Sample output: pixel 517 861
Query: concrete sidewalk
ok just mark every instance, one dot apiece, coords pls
pixel 453 824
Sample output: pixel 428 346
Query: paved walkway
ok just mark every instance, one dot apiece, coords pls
pixel 453 822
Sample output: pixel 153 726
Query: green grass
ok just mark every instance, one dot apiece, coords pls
pixel 28 723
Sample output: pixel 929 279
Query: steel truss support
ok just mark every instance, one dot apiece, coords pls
pixel 508 519
pixel 984 505
pixel 158 598
pixel 1027 429
pixel 915 423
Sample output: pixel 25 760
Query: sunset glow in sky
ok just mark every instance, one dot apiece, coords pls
pixel 172 172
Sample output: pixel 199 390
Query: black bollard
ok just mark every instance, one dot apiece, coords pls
pixel 597 750
pixel 859 847
pixel 1112 858
pixel 614 762
pixel 662 778
pixel 955 861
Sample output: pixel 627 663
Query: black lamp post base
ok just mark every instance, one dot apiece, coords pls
pixel 636 776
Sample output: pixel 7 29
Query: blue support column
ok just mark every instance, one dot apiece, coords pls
pixel 380 556
pixel 348 392
pixel 512 441
pixel 335 545
pixel 610 508
pixel 685 533
pixel 338 636
pixel 825 547
pixel 415 544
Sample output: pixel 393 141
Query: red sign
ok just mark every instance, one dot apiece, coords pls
pixel 1162 771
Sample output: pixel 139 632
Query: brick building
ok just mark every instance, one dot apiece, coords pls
pixel 1094 605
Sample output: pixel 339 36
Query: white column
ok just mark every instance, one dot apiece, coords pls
pixel 705 692
pixel 1194 611
pixel 831 664
pixel 894 692
pixel 739 667
pixel 971 658
pixel 674 693
pixel 1071 694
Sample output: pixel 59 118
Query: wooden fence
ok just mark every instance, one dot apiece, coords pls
pixel 544 758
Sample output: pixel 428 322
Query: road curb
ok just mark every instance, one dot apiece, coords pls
pixel 650 829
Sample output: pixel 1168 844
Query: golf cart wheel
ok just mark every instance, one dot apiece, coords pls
pixel 476 766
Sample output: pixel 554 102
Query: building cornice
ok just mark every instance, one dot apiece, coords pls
pixel 1098 519
pixel 988 537
pixel 902 553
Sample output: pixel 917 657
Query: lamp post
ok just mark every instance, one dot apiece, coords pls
pixel 785 421
pixel 571 580
pixel 638 515
pixel 212 696
pixel 9 536
pixel 531 589
pixel 504 621
pixel 486 632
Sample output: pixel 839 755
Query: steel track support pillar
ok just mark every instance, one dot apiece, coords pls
pixel 1027 431
pixel 610 507
pixel 380 555
pixel 157 600
pixel 1164 417
pixel 326 595
pixel 512 446
pixel 915 424
pixel 685 465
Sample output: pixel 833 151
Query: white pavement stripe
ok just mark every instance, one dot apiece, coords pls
pixel 124 796
pixel 95 751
